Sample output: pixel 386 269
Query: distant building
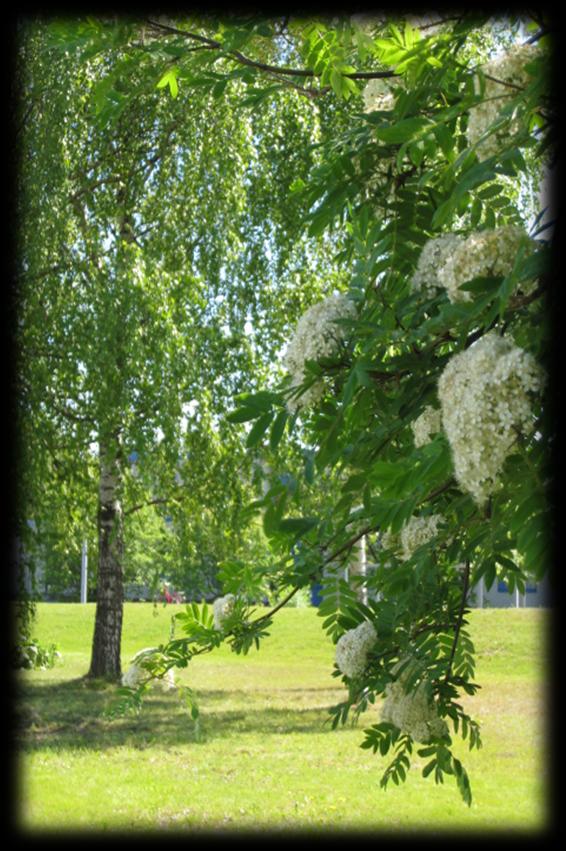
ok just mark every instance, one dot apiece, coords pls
pixel 537 594
pixel 499 596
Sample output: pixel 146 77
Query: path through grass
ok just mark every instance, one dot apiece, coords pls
pixel 264 755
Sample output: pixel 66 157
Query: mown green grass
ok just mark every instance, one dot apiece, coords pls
pixel 264 755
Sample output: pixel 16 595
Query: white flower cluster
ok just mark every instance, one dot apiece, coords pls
pixel 222 608
pixel 487 253
pixel 378 94
pixel 412 712
pixel 425 425
pixel 484 396
pixel 353 647
pixel 508 68
pixel 416 532
pixel 451 260
pixel 316 336
pixel 136 672
pixel 435 254
pixel 133 676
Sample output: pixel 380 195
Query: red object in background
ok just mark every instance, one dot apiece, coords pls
pixel 176 597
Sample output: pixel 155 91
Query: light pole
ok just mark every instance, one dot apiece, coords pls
pixel 84 572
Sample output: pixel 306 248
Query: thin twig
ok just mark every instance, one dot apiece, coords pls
pixel 277 607
pixel 438 491
pixel 156 501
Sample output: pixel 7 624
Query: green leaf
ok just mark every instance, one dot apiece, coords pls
pixel 403 131
pixel 462 780
pixel 350 387
pixel 336 82
pixel 259 430
pixel 170 79
pixel 534 265
pixel 424 752
pixel 297 185
pixel 309 467
pixel 243 415
pixel 429 767
pixel 443 214
pixel 298 526
pixel 219 88
pixel 263 400
pixel 476 211
pixel 278 428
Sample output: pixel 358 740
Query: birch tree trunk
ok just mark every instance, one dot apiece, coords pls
pixel 358 567
pixel 105 658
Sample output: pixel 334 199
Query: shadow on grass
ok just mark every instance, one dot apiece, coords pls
pixel 71 715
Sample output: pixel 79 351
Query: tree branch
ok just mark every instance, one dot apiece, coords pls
pixel 539 34
pixel 156 501
pixel 262 66
pixel 348 545
pixel 277 607
pixel 438 491
pixel 439 22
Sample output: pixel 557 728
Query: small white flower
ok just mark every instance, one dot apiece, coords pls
pixel 353 647
pixel 415 532
pixel 137 672
pixel 427 424
pixel 169 681
pixel 412 712
pixel 418 531
pixel 133 676
pixel 509 69
pixel 222 609
pixel 434 256
pixel 485 254
pixel 316 336
pixel 485 395
pixel 378 95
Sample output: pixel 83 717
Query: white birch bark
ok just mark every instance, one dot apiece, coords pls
pixel 105 659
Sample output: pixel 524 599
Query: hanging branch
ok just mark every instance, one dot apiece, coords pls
pixel 210 43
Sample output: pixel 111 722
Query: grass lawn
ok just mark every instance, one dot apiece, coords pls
pixel 264 755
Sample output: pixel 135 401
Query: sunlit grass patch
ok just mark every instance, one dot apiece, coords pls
pixel 263 754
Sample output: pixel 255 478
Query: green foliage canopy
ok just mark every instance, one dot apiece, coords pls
pixel 151 255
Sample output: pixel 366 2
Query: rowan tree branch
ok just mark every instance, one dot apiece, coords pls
pixel 278 606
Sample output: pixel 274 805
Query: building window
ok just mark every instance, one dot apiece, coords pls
pixel 530 587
